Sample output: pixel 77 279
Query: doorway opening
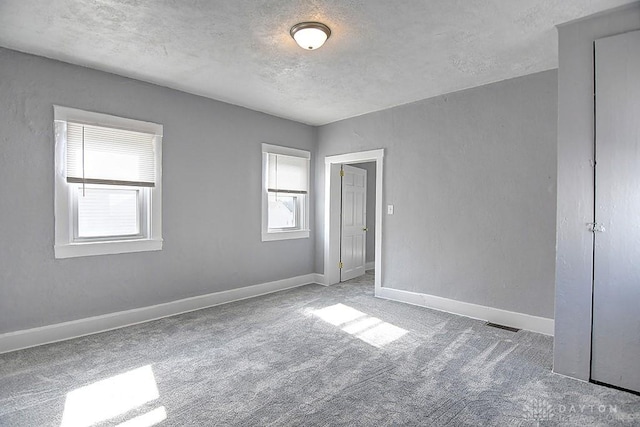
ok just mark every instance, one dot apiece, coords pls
pixel 357 219
pixel 333 213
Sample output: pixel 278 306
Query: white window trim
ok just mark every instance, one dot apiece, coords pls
pixel 283 234
pixel 65 247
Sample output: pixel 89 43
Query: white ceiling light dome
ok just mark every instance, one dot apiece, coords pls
pixel 310 35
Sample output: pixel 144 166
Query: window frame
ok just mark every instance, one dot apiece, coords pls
pixel 302 213
pixel 67 244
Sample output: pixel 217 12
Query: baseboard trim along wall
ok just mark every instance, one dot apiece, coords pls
pixel 541 325
pixel 12 341
pixel 319 279
pixel 369 265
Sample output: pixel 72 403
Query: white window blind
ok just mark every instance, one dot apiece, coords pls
pixel 288 174
pixel 100 155
pixel 108 212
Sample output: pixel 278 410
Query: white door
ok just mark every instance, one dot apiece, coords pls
pixel 615 346
pixel 354 222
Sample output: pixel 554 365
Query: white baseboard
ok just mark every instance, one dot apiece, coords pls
pixel 63 331
pixel 541 325
pixel 570 377
pixel 319 279
pixel 369 265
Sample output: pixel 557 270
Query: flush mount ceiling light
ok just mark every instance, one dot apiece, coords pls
pixel 310 35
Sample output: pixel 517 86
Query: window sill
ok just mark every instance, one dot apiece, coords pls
pixel 285 235
pixel 73 250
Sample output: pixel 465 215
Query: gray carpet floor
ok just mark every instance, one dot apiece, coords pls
pixel 321 356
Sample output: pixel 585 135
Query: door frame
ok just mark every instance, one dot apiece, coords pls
pixel 332 213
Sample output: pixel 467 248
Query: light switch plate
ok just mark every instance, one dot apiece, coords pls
pixel 389 209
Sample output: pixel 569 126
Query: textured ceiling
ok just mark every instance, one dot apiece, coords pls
pixel 381 53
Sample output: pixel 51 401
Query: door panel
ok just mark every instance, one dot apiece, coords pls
pixel 354 222
pixel 616 287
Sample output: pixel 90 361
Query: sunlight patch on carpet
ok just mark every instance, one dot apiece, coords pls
pixel 149 419
pixel 369 329
pixel 111 397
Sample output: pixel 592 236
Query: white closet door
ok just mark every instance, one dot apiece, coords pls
pixel 616 287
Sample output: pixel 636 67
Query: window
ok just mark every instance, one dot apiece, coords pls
pixel 285 195
pixel 108 183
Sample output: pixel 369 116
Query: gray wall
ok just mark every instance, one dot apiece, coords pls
pixel 572 345
pixel 370 167
pixel 211 197
pixel 472 176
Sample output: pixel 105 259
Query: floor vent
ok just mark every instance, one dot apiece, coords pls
pixel 506 328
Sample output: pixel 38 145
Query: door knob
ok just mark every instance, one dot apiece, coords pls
pixel 364 229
